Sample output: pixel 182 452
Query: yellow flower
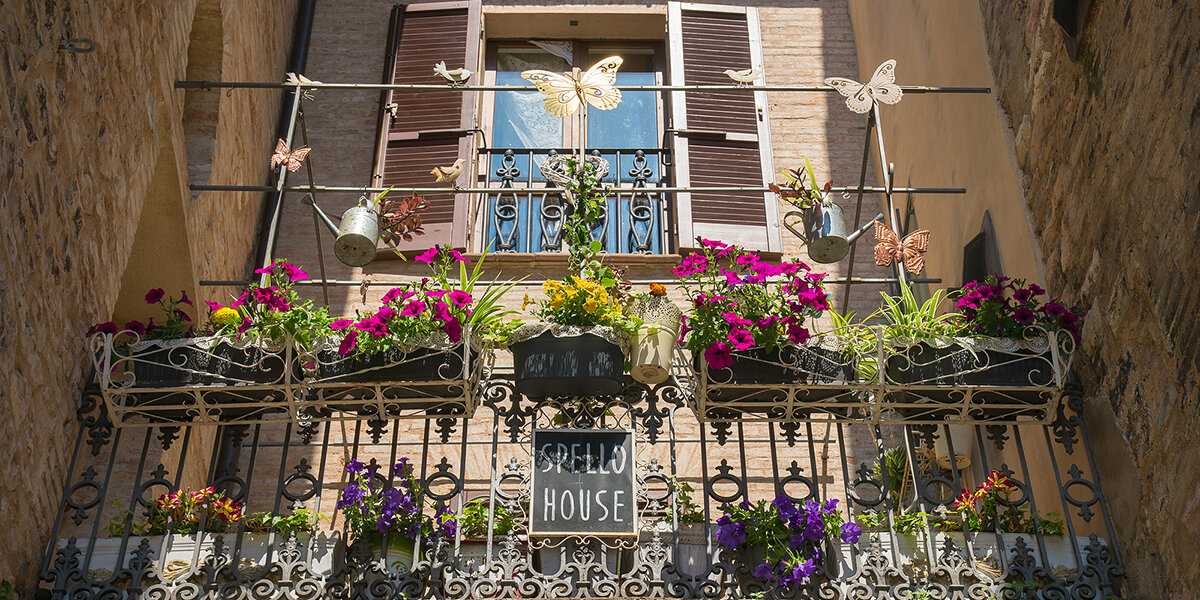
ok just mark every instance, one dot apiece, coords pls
pixel 552 285
pixel 557 300
pixel 591 305
pixel 526 303
pixel 225 316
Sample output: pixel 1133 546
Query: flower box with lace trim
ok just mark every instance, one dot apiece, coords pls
pixel 566 361
pixel 216 377
pixel 431 374
pixel 787 382
pixel 992 377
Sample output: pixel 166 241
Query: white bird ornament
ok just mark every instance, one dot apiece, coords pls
pixel 744 77
pixel 448 174
pixel 455 77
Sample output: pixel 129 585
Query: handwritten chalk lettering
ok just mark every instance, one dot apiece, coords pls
pixel 583 482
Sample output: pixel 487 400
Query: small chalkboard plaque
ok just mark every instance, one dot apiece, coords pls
pixel 583 482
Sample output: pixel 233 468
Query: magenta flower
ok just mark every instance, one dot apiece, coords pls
pixel 747 259
pixel 340 324
pixel 1036 289
pixel 385 312
pixel 349 343
pixel 765 269
pixel 718 356
pixel 1023 316
pixel 453 330
pixel 136 327
pixel 214 306
pixel 427 256
pixel 711 243
pixel 460 298
pixel 797 333
pixel 741 339
pixel 1022 295
pixel 182 315
pixel 394 293
pixel 154 295
pixel 185 299
pixel 458 257
pixel 413 309
pixel 294 273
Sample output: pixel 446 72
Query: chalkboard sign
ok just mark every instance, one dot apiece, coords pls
pixel 583 482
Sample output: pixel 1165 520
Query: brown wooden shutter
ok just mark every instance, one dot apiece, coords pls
pixel 721 139
pixel 430 127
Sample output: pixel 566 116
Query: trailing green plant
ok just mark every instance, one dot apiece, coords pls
pixel 857 340
pixel 908 319
pixel 892 468
pixel 683 507
pixel 298 521
pixel 474 518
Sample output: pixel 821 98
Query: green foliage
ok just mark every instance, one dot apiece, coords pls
pixel 683 507
pixel 489 317
pixel 586 193
pixel 474 518
pixel 6 590
pixel 858 339
pixel 909 319
pixel 299 521
pixel 892 468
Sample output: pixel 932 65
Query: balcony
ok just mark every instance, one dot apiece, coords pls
pixel 899 482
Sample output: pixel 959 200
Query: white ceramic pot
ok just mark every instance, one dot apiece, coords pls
pixel 984 546
pixel 654 341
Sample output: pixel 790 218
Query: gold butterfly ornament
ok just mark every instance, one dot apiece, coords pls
pixel 910 251
pixel 860 97
pixel 564 93
pixel 290 158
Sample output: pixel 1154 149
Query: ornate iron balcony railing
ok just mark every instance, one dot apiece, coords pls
pixel 521 219
pixel 285 466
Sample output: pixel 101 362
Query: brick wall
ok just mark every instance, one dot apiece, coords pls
pixel 1106 147
pixel 83 140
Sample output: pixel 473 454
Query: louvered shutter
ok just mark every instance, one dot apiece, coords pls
pixel 430 127
pixel 720 139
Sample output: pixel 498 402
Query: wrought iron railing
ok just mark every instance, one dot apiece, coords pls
pixel 287 465
pixel 519 218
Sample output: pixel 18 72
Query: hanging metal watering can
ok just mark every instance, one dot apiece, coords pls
pixel 357 236
pixel 825 230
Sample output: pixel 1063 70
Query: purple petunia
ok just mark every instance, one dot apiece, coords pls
pixel 851 533
pixel 718 356
pixel 154 295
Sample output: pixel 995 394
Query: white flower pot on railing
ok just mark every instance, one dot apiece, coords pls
pixel 181 554
pixel 654 342
pixel 985 547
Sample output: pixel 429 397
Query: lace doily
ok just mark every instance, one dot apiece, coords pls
pixel 554 168
pixel 657 309
pixel 1036 341
pixel 529 331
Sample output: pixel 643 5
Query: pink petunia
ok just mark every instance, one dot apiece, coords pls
pixel 184 299
pixel 797 333
pixel 741 339
pixel 413 309
pixel 453 330
pixel 718 356
pixel 339 324
pixel 460 298
pixel 427 256
pixel 349 343
pixel 154 295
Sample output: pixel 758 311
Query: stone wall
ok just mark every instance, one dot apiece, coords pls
pixel 1107 151
pixel 93 159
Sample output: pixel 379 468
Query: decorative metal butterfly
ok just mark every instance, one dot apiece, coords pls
pixel 861 97
pixel 291 158
pixel 564 93
pixel 910 251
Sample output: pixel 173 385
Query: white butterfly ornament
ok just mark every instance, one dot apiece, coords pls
pixel 564 93
pixel 861 97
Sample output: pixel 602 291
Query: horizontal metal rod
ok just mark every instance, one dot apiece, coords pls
pixel 444 190
pixel 534 282
pixel 910 89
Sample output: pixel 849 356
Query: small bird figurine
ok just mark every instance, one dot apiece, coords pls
pixel 455 78
pixel 449 174
pixel 745 76
pixel 294 79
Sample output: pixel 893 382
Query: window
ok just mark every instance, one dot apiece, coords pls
pixel 981 257
pixel 524 135
pixel 678 138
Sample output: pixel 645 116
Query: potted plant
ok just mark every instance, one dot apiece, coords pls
pixel 267 530
pixel 174 526
pixel 684 518
pixel 579 344
pixel 658 321
pixel 783 541
pixel 474 519
pixel 748 325
pixel 1002 336
pixel 432 330
pixel 388 513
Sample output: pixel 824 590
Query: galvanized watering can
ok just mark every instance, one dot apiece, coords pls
pixel 825 231
pixel 357 236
